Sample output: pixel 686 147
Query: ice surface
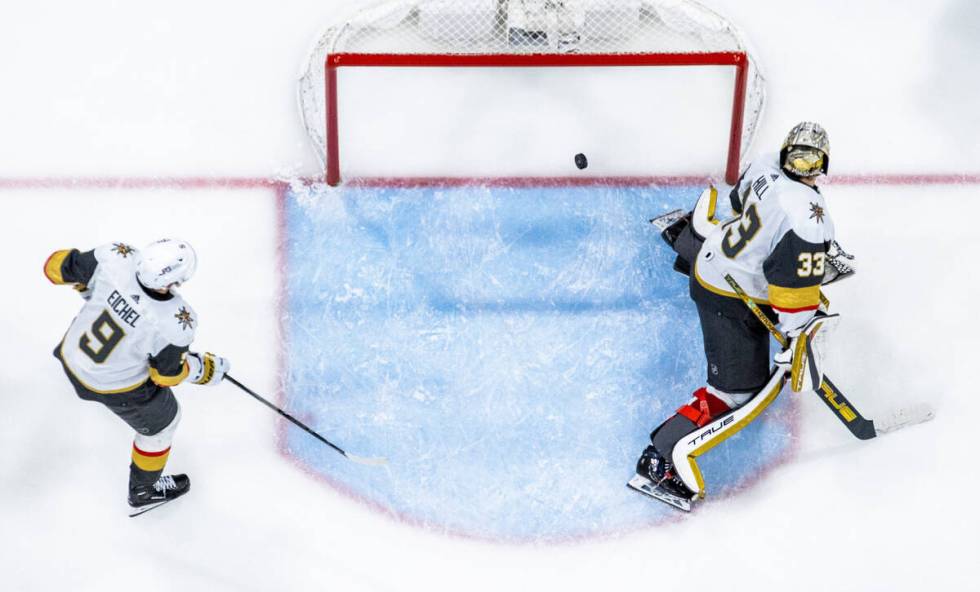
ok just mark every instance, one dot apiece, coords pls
pixel 101 89
pixel 507 349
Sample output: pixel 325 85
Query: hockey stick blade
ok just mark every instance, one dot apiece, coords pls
pixel 904 417
pixel 647 488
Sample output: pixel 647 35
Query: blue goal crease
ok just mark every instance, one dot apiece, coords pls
pixel 507 349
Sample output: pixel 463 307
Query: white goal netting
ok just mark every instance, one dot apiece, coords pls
pixel 507 27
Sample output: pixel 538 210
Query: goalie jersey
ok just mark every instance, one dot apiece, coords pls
pixel 125 334
pixel 775 248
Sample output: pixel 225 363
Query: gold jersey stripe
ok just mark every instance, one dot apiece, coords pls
pixel 721 292
pixel 794 298
pixel 118 391
pixel 150 461
pixel 164 380
pixel 52 267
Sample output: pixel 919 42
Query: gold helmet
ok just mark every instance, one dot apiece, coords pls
pixel 806 150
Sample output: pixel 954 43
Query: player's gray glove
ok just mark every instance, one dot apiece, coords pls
pixel 206 368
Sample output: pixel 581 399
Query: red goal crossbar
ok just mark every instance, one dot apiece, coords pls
pixel 338 60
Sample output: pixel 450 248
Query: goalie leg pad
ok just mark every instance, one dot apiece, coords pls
pixel 655 462
pixel 809 351
pixel 685 234
pixel 703 219
pixel 670 432
pixel 686 244
pixel 685 453
pixel 703 408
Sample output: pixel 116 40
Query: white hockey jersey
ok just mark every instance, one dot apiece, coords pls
pixel 124 334
pixel 775 249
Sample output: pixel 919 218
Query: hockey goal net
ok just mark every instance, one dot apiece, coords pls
pixel 499 88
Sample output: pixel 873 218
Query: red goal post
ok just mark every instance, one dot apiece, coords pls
pixel 338 48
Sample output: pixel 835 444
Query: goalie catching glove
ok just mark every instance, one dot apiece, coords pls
pixel 840 264
pixel 804 358
pixel 206 368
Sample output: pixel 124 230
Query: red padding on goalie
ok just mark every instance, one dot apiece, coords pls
pixel 703 408
pixel 690 413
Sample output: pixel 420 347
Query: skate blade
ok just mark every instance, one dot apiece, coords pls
pixel 134 512
pixel 646 487
pixel 665 220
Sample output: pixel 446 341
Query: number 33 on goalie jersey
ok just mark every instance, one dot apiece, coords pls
pixel 775 249
pixel 124 334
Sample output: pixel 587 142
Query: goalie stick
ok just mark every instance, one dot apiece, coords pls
pixel 358 459
pixel 862 428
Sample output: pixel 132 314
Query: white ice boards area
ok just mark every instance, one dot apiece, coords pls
pixel 124 121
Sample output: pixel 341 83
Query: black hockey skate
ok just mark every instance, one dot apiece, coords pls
pixel 671 224
pixel 144 498
pixel 676 230
pixel 655 477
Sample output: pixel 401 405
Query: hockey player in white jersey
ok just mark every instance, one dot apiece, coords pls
pixel 129 345
pixel 779 248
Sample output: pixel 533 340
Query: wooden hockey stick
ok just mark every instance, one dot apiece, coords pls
pixel 835 400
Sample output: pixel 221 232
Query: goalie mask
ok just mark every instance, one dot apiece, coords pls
pixel 166 262
pixel 806 150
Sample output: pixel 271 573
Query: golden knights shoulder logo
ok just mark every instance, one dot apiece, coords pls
pixel 183 317
pixel 816 212
pixel 122 249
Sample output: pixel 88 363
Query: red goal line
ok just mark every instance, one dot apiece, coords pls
pixel 198 183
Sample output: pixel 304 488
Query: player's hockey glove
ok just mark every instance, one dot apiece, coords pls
pixel 804 358
pixel 83 291
pixel 206 368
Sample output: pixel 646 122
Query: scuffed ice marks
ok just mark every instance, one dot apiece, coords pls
pixel 507 349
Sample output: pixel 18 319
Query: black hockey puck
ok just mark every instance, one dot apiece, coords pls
pixel 580 161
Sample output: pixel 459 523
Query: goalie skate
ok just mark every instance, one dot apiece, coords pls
pixel 665 221
pixel 648 488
